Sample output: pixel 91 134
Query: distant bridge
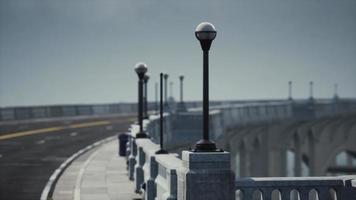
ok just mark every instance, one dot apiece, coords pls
pixel 267 138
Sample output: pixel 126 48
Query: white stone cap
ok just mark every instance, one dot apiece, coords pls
pixel 206 156
pixel 169 161
pixel 134 130
pixel 147 145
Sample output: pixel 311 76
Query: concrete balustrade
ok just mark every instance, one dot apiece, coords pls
pixel 301 188
pixel 245 111
pixel 167 180
pixel 208 175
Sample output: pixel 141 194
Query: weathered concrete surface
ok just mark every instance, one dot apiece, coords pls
pixel 206 176
pixel 261 150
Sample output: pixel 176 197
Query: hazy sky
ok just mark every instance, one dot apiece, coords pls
pixel 84 51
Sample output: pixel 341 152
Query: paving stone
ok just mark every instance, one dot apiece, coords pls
pixel 97 174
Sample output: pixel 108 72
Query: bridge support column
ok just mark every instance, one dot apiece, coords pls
pixel 206 176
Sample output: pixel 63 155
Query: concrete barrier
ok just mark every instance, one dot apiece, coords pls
pixel 208 175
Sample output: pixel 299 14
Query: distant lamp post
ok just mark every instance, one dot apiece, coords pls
pixel 290 90
pixel 171 89
pixel 161 150
pixel 311 90
pixel 181 105
pixel 141 69
pixel 165 76
pixel 145 80
pixel 205 33
pixel 156 97
pixel 336 95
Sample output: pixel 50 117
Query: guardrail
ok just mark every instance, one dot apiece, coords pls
pixel 208 175
pixel 246 112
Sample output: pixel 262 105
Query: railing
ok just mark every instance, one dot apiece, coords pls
pixel 246 112
pixel 297 188
pixel 155 175
pixel 169 177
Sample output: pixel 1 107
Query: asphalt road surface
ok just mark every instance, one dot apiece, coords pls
pixel 30 152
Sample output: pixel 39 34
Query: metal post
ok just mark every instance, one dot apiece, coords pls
pixel 165 91
pixel 205 33
pixel 290 90
pixel 156 97
pixel 181 88
pixel 140 69
pixel 140 105
pixel 145 99
pixel 206 95
pixel 336 95
pixel 311 84
pixel 161 151
pixel 171 89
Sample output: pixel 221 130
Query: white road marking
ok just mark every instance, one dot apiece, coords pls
pixel 73 134
pixel 41 142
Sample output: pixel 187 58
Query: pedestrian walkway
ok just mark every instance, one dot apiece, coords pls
pixel 98 174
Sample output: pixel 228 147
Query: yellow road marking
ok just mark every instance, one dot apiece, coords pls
pixel 31 132
pixel 89 124
pixel 52 129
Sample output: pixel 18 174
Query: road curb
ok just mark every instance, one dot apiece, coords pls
pixel 47 192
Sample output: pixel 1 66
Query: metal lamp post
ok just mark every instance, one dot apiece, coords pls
pixel 156 97
pixel 181 106
pixel 181 78
pixel 290 90
pixel 311 90
pixel 336 95
pixel 205 33
pixel 145 80
pixel 161 150
pixel 141 69
pixel 165 76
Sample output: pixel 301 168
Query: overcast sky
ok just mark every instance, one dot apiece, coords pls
pixel 84 51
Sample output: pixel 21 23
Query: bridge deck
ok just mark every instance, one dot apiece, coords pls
pixel 97 174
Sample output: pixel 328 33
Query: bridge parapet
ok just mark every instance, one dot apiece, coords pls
pixel 301 188
pixel 170 177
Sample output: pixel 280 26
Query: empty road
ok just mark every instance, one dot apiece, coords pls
pixel 30 152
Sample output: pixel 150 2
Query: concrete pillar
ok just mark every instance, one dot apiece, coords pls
pixel 297 157
pixel 311 150
pixel 243 159
pixel 206 176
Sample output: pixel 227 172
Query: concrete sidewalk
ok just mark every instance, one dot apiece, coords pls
pixel 98 174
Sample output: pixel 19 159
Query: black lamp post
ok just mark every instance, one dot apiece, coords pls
pixel 181 106
pixel 336 95
pixel 165 76
pixel 145 80
pixel 141 70
pixel 161 150
pixel 311 90
pixel 205 33
pixel 156 97
pixel 181 77
pixel 290 90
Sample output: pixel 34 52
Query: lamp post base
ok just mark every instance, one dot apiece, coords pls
pixel 141 135
pixel 205 146
pixel 161 151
